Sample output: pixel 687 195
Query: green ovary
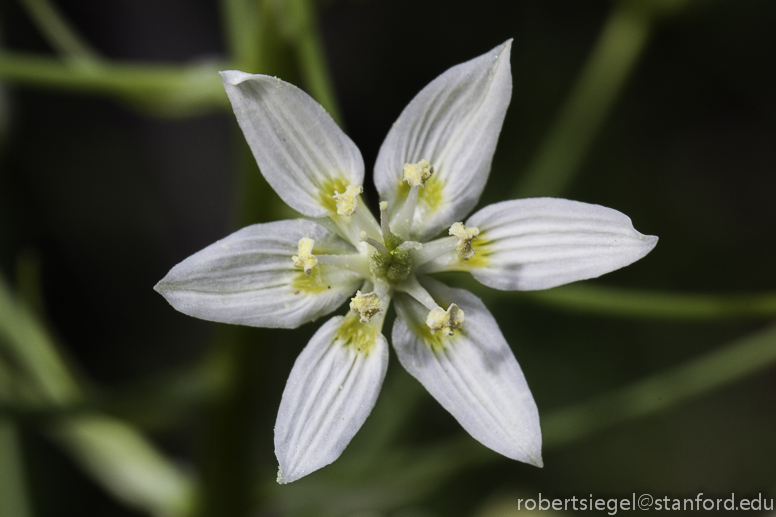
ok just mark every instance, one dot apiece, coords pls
pixel 393 268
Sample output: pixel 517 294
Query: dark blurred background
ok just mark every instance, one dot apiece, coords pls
pixel 100 196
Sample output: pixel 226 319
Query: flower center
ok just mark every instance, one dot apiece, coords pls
pixel 390 265
pixel 394 266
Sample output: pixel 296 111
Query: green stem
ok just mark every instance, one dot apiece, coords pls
pixel 122 460
pixel 34 351
pixel 664 390
pixel 228 467
pixel 243 28
pixel 14 500
pixel 304 35
pixel 59 33
pixel 611 301
pixel 227 463
pixel 174 87
pixel 621 42
pixel 114 453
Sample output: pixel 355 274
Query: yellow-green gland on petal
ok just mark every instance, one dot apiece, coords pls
pixel 348 200
pixel 304 257
pixel 465 236
pixel 366 305
pixel 418 173
pixel 445 320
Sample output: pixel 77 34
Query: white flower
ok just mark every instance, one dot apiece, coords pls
pixel 430 172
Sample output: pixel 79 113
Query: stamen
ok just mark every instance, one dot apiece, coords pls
pixel 366 221
pixel 410 245
pixel 388 237
pixel 412 287
pixel 381 288
pixel 353 262
pixel 418 173
pixel 332 227
pixel 366 305
pixel 432 250
pixel 465 236
pixel 305 258
pixel 403 220
pixel 348 200
pixel 445 320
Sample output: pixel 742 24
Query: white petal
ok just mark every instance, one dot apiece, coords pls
pixel 301 151
pixel 530 244
pixel 250 279
pixel 454 123
pixel 332 389
pixel 473 374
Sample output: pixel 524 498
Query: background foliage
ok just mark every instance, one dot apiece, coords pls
pixel 119 157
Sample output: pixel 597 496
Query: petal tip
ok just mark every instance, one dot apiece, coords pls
pixel 233 77
pixel 505 49
pixel 280 479
pixel 647 243
pixel 161 287
pixel 535 459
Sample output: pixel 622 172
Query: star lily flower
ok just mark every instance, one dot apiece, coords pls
pixel 430 173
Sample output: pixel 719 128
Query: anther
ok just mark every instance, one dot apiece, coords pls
pixel 348 200
pixel 305 258
pixel 366 305
pixel 465 236
pixel 445 320
pixel 418 173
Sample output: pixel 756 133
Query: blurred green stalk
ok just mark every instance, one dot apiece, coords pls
pixel 116 456
pixel 176 88
pixel 14 499
pixel 662 391
pixel 613 301
pixel 234 363
pixel 620 43
pixel 243 30
pixel 299 25
pixel 58 31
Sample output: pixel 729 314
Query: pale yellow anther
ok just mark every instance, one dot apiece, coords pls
pixel 445 320
pixel 465 236
pixel 366 305
pixel 383 206
pixel 418 173
pixel 348 200
pixel 305 258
